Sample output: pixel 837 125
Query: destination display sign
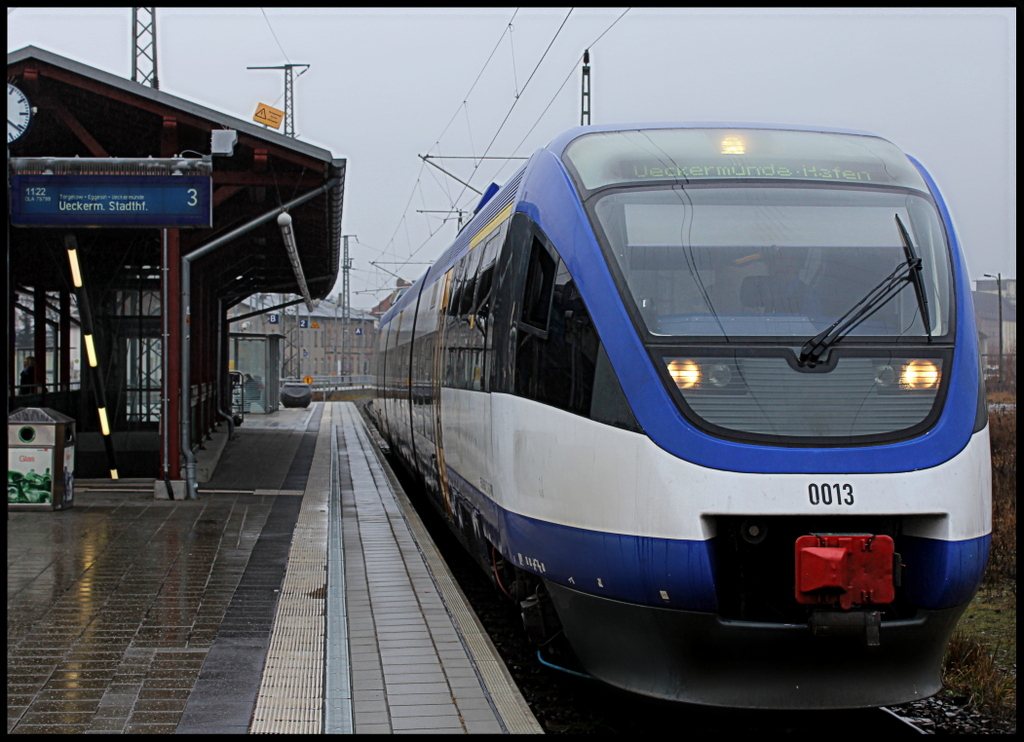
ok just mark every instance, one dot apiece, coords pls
pixel 793 169
pixel 688 154
pixel 166 201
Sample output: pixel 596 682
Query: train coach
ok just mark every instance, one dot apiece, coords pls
pixel 705 401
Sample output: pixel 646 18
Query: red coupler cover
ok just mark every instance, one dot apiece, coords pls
pixel 844 568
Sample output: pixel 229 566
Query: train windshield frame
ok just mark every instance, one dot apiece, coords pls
pixel 727 275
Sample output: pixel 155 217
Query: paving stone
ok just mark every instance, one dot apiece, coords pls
pixel 111 647
pixel 145 616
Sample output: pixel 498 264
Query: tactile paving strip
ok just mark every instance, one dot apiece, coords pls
pixel 337 677
pixel 290 699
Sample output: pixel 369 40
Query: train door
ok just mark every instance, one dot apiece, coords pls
pixel 403 402
pixel 383 379
pixel 507 301
pixel 476 418
pixel 424 346
pixel 421 382
pixel 395 383
pixel 439 372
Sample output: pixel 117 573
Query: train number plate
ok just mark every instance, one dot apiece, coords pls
pixel 832 494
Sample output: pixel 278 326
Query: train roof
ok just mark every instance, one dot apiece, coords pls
pixel 488 212
pixel 559 143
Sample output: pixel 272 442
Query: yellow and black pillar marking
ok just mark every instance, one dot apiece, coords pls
pixel 98 383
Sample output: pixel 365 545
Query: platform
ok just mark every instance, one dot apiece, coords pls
pixel 299 593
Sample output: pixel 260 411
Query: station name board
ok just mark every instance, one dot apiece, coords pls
pixel 167 201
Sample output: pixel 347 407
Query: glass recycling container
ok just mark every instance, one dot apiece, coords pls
pixel 40 459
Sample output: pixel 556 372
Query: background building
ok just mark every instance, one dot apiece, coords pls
pixel 317 343
pixel 986 315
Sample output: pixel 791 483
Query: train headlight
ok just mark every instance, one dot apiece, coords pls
pixel 714 376
pixel 719 375
pixel 920 374
pixel 885 375
pixel 685 373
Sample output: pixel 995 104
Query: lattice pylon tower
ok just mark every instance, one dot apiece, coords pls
pixel 289 93
pixel 144 47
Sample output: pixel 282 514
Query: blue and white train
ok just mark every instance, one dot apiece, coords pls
pixel 705 400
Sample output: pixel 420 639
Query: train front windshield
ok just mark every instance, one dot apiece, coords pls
pixel 732 262
pixel 729 244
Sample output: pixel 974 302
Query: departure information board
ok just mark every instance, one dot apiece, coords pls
pixel 111 201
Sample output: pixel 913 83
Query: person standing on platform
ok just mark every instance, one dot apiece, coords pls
pixel 28 376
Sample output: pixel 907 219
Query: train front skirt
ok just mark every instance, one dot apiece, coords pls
pixel 698 657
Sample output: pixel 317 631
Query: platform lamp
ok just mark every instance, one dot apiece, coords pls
pixel 999 289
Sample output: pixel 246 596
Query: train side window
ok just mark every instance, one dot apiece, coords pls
pixel 566 365
pixel 557 367
pixel 472 261
pixel 485 276
pixel 540 283
pixel 455 292
pixel 452 332
pixel 464 333
pixel 449 367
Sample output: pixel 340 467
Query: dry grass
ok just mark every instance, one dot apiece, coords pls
pixel 1002 561
pixel 970 670
pixel 972 667
pixel 1002 397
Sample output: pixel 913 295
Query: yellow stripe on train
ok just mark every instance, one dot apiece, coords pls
pixel 502 216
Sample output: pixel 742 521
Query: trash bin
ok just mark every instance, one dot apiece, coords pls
pixel 296 394
pixel 237 397
pixel 40 459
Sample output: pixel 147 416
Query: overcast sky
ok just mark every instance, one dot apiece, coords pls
pixel 388 84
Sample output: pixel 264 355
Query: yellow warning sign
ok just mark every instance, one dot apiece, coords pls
pixel 308 379
pixel 268 115
pixel 316 325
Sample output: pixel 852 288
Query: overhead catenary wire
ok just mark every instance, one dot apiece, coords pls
pixel 512 48
pixel 286 57
pixel 442 184
pixel 469 129
pixel 464 106
pixel 386 285
pixel 447 126
pixel 275 36
pixel 572 71
pixel 507 115
pixel 479 75
pixel 526 84
pixel 505 120
pixel 398 226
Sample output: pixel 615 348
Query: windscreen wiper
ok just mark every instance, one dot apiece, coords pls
pixel 909 271
pixel 915 277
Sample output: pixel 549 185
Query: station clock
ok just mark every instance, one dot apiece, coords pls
pixel 19 113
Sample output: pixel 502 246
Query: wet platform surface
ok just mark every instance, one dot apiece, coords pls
pixel 134 615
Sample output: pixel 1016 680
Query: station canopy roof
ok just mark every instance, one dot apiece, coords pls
pixel 84 112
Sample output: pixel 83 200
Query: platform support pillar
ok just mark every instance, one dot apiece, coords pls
pixel 171 419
